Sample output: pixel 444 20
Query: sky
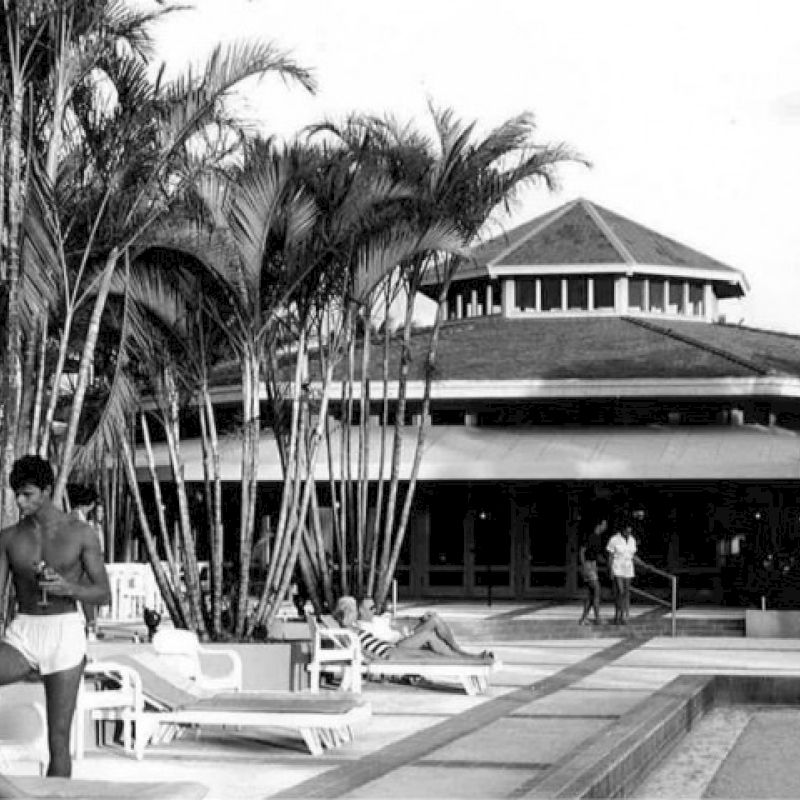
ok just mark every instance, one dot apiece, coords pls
pixel 688 110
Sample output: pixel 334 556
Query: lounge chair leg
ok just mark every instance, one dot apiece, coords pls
pixel 311 738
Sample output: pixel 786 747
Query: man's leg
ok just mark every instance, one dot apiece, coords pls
pixel 61 692
pixel 13 665
pixel 619 589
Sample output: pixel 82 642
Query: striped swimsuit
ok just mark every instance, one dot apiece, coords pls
pixel 371 645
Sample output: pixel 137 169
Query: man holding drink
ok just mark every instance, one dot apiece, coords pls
pixel 55 562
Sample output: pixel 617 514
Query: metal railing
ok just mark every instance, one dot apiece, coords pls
pixel 672 603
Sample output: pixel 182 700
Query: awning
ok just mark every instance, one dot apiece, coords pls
pixel 505 454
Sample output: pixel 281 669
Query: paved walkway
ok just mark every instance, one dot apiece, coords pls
pixel 549 698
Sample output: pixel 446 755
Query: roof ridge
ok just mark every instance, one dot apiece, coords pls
pixel 550 217
pixel 607 231
pixel 709 348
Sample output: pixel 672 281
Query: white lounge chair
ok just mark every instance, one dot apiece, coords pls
pixel 334 649
pixel 171 702
pixel 345 652
pixel 472 676
pixel 180 650
pixel 23 735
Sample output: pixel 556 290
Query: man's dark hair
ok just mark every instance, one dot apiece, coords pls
pixel 31 470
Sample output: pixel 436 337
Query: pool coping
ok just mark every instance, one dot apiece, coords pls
pixel 613 762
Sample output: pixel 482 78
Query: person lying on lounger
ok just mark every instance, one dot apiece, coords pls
pixel 378 640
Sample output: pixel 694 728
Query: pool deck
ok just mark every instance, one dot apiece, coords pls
pixel 552 700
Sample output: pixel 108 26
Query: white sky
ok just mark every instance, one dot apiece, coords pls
pixel 688 109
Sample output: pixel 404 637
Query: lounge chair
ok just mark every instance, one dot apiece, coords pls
pixel 211 668
pixel 471 675
pixel 172 702
pixel 23 735
pixel 334 649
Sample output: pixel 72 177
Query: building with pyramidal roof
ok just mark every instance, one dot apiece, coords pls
pixel 584 365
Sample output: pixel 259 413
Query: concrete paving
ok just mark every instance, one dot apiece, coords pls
pixel 550 697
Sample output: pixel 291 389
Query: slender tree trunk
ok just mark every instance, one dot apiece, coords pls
pixel 166 544
pixel 28 390
pixel 299 516
pixel 191 571
pixel 87 357
pixel 377 526
pixel 290 476
pixel 215 523
pixel 397 451
pixel 250 387
pixel 55 383
pixel 363 461
pixel 33 444
pixel 150 544
pixel 11 383
pixel 430 369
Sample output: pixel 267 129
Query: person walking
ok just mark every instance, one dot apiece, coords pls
pixel 589 553
pixel 55 562
pixel 621 549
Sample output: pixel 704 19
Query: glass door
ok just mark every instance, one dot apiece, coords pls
pixel 445 551
pixel 491 570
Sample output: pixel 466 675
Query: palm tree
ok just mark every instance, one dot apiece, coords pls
pixel 461 179
pixel 113 169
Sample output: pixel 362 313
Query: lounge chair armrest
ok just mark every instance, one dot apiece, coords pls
pixel 340 637
pixel 127 677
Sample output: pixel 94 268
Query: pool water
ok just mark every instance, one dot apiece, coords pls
pixel 733 752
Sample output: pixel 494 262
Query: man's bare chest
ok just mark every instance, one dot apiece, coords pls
pixel 58 548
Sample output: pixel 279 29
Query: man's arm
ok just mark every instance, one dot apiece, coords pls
pixel 96 590
pixel 4 573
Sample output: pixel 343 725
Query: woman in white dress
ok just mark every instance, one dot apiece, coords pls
pixel 621 549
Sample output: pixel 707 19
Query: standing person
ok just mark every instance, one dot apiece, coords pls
pixel 621 549
pixel 86 508
pixel 55 562
pixel 589 553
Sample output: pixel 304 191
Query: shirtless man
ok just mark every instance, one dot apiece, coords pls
pixel 47 633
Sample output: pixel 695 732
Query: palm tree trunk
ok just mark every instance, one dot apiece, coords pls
pixel 190 568
pixel 33 444
pixel 87 357
pixel 11 382
pixel 166 544
pixel 28 390
pixel 150 544
pixel 299 516
pixel 215 523
pixel 290 474
pixel 251 431
pixel 397 450
pixel 430 369
pixel 363 459
pixel 376 526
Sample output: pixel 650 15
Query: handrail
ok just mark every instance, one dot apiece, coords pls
pixel 673 604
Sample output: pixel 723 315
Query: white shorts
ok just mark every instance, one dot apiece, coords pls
pixel 49 642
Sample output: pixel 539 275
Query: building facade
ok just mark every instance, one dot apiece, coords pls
pixel 584 361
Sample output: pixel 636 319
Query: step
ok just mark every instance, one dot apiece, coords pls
pixel 511 629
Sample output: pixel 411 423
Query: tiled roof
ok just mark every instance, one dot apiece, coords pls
pixel 498 349
pixel 582 232
pixel 592 348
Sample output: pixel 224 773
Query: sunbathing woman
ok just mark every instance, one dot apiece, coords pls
pixel 431 634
